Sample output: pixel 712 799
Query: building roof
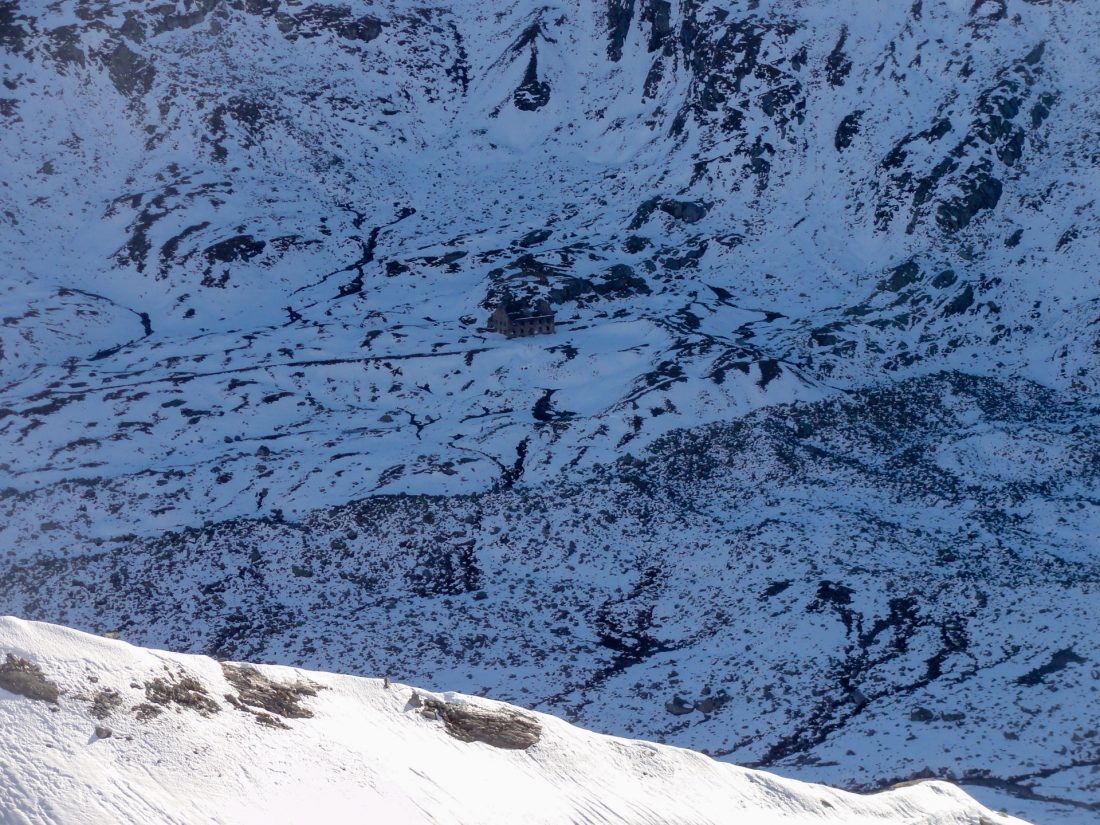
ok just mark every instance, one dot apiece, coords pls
pixel 518 311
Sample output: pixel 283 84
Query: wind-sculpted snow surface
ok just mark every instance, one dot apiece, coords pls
pixel 367 751
pixel 807 475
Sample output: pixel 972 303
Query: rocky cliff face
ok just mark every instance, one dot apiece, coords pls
pixel 249 250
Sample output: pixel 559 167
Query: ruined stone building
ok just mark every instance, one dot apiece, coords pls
pixel 520 320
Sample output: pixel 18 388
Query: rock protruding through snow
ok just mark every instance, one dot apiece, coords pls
pixel 500 727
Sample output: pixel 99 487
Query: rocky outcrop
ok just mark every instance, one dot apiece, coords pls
pixel 683 211
pixel 532 94
pixel 25 678
pixel 256 690
pixel 501 727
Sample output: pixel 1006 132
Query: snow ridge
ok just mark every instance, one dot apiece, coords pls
pixel 111 750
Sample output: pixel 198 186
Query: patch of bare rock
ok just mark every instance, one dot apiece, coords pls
pixel 265 699
pixel 26 679
pixel 500 727
pixel 179 689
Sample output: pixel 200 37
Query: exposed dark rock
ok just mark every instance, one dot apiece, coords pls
pixel 364 29
pixel 971 171
pixel 775 588
pixel 535 237
pixel 826 336
pixel 64 46
pixel 944 279
pixel 620 281
pixel 12 31
pixel 500 727
pixel 256 690
pixel 451 569
pixel 619 15
pixel 544 409
pixel 169 250
pixel 989 11
pixel 131 73
pixel 26 679
pixel 251 115
pixel 961 302
pixel 838 64
pixel 532 93
pixel 102 732
pixel 981 191
pixel 769 371
pixel 131 27
pixel 450 258
pixel 686 261
pixel 239 248
pixel 1058 661
pixel 677 706
pixel 658 14
pixel 1066 238
pixel 194 14
pixel 317 19
pixel 901 276
pixel 721 58
pixel 709 704
pixel 686 211
pixel 847 130
pixel 181 690
pixel 643 212
pixel 146 711
pixel 1040 110
pixel 269 721
pixel 105 703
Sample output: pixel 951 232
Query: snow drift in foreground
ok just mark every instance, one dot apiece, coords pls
pixel 99 731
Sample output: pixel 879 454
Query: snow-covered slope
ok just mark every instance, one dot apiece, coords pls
pixel 899 585
pixel 101 733
pixel 234 224
pixel 819 428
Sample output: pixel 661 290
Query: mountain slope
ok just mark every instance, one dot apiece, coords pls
pixel 898 585
pixel 235 223
pixel 818 428
pixel 97 731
